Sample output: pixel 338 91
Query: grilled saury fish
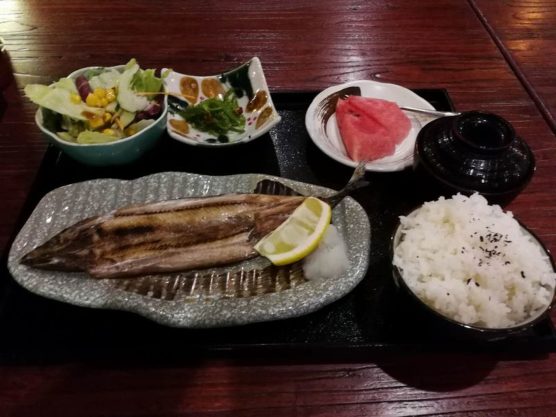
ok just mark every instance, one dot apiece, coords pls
pixel 170 236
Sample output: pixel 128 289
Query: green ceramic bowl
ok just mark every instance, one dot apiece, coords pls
pixel 114 153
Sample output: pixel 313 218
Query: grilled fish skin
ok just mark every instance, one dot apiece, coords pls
pixel 163 237
pixel 170 236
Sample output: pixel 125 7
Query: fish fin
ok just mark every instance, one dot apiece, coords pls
pixel 356 181
pixel 198 286
pixel 271 187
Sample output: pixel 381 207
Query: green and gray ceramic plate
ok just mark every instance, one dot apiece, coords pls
pixel 215 297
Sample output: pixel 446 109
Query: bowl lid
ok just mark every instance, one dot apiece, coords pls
pixel 475 152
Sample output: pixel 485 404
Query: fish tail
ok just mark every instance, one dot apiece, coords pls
pixel 356 181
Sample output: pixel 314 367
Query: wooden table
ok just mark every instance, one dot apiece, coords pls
pixel 525 33
pixel 303 46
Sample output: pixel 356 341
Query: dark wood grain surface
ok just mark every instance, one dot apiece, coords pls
pixel 525 32
pixel 303 45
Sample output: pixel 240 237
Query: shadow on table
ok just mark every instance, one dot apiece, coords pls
pixel 440 372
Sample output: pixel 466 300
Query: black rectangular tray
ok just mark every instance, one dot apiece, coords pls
pixel 373 317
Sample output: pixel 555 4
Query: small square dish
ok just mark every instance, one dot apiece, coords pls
pixel 255 113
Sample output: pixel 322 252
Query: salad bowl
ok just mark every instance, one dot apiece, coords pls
pixel 245 86
pixel 117 152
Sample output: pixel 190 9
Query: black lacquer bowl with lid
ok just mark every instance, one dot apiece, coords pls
pixel 473 152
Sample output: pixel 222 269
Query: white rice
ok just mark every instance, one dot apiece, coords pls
pixel 474 263
pixel 329 260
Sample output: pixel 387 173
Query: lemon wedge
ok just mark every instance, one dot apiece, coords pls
pixel 299 235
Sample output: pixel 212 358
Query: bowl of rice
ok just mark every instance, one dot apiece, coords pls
pixel 474 266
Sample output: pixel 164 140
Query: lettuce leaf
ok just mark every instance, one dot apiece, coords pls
pixel 65 84
pixel 57 97
pixel 72 126
pixel 107 79
pixel 126 118
pixel 127 98
pixel 90 137
pixel 141 124
pixel 90 73
pixel 65 136
pixel 146 82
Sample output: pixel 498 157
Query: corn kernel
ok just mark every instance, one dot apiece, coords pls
pixel 110 95
pixel 75 98
pixel 92 100
pixel 107 116
pixel 130 131
pixel 99 92
pixel 96 122
pixel 103 102
pixel 109 132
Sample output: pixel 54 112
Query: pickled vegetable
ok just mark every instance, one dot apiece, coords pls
pixel 217 116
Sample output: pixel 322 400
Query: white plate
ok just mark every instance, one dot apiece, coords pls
pixel 248 79
pixel 326 136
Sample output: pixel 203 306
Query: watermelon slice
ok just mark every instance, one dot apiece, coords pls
pixel 370 128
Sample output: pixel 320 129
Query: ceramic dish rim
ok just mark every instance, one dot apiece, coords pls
pixel 245 139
